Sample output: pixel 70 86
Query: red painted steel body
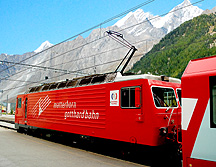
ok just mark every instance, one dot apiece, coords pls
pixel 95 110
pixel 198 137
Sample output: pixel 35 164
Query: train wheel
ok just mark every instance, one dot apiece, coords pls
pixel 20 130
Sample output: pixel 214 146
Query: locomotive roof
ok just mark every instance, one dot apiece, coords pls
pixel 98 79
pixel 146 76
pixel 201 66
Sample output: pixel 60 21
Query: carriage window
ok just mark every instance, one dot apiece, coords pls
pixel 19 103
pixel 164 97
pixel 130 97
pixel 179 95
pixel 213 101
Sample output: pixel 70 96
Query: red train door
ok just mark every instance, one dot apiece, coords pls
pixel 131 100
pixel 25 109
pixel 138 105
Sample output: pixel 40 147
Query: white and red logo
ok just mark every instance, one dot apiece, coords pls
pixel 40 106
pixel 114 98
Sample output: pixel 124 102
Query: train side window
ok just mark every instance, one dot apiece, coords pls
pixel 19 103
pixel 164 97
pixel 212 82
pixel 179 95
pixel 130 97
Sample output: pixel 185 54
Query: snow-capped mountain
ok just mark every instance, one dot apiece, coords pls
pixel 142 29
pixel 139 15
pixel 43 46
pixel 178 15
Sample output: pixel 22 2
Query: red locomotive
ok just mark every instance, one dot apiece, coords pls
pixel 142 109
pixel 199 113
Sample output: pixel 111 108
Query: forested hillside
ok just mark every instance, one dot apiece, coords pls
pixel 193 39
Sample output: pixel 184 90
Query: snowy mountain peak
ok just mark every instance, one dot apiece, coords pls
pixel 123 20
pixel 178 15
pixel 43 46
pixel 139 16
pixel 185 5
pixel 186 2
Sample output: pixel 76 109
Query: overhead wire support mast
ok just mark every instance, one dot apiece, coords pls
pixel 120 39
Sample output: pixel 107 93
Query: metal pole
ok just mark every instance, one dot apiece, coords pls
pixel 125 65
pixel 1 104
pixel 7 105
pixel 94 65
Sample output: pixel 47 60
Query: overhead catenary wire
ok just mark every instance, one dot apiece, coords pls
pixel 35 66
pixel 78 59
pixel 54 57
pixel 71 60
pixel 156 17
pixel 105 36
pixel 85 31
pixel 21 80
pixel 167 48
pixel 133 25
pixel 29 65
pixel 90 67
pixel 104 64
pixel 142 4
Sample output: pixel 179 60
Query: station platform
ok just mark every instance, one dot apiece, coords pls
pixel 7 118
pixel 7 121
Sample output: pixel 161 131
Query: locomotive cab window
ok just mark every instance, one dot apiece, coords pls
pixel 164 97
pixel 131 97
pixel 212 101
pixel 179 95
pixel 19 103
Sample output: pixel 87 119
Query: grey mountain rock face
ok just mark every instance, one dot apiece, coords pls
pixel 207 11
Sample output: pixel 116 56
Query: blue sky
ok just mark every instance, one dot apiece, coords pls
pixel 25 24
